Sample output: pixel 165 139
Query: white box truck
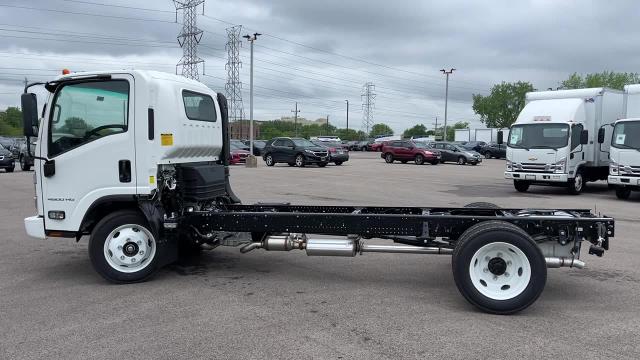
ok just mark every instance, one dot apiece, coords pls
pixel 552 140
pixel 138 162
pixel 462 135
pixel 624 166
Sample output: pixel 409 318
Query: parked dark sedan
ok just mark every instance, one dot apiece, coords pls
pixel 7 162
pixel 11 145
pixel 494 150
pixel 295 152
pixel 258 145
pixel 458 154
pixel 26 160
pixel 474 145
pixel 239 144
pixel 338 154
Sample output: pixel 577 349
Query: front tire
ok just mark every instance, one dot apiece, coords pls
pixel 23 164
pixel 521 186
pixel 498 267
pixel 323 164
pixel 122 247
pixel 576 185
pixel 623 193
pixel 300 160
pixel 338 163
pixel 419 160
pixel 268 159
pixel 462 160
pixel 388 157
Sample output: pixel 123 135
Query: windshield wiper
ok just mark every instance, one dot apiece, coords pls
pixel 544 147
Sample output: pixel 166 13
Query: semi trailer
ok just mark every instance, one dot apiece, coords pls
pixel 552 140
pixel 138 161
pixel 624 166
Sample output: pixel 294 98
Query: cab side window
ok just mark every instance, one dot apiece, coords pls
pixel 576 130
pixel 199 107
pixel 87 111
pixel 278 142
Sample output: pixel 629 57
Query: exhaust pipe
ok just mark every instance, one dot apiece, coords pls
pixel 334 246
pixel 558 262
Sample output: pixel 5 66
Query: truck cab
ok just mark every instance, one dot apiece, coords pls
pixel 624 168
pixel 551 142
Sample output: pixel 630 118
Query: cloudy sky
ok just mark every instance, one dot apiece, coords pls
pixel 320 53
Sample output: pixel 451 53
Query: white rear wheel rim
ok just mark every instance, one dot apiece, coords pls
pixel 500 271
pixel 129 248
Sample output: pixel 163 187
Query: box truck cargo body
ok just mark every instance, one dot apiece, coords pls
pixel 553 142
pixel 624 168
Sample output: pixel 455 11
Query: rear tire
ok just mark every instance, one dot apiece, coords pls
pixel 498 267
pixel 322 164
pixel 268 159
pixel 419 160
pixel 23 164
pixel 623 193
pixel 122 247
pixel 521 186
pixel 388 157
pixel 338 163
pixel 487 155
pixel 482 205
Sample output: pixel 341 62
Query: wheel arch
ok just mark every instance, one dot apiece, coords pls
pixel 104 206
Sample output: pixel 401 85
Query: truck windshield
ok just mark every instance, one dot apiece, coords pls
pixel 626 135
pixel 539 136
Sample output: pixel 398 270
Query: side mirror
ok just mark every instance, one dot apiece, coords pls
pixel 29 104
pixel 584 137
pixel 601 136
pixel 500 138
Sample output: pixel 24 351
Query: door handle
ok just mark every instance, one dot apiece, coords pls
pixel 124 170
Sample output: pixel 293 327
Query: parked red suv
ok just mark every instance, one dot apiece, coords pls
pixel 406 150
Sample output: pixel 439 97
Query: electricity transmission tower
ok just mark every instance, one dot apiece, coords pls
pixel 233 86
pixel 368 104
pixel 189 38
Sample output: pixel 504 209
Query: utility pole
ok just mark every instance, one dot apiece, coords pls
pixel 189 38
pixel 435 129
pixel 368 103
pixel 295 119
pixel 233 86
pixel 251 160
pixel 347 116
pixel 446 100
pixel 327 124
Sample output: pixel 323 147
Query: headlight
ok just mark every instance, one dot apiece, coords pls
pixel 308 151
pixel 509 165
pixel 428 152
pixel 614 168
pixel 559 165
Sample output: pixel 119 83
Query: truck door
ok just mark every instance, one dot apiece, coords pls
pixel 89 139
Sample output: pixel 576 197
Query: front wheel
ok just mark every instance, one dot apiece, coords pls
pixel 623 193
pixel 498 267
pixel 576 185
pixel 300 160
pixel 268 159
pixel 122 247
pixel 419 160
pixel 388 158
pixel 322 164
pixel 23 164
pixel 487 155
pixel 462 160
pixel 338 163
pixel 521 186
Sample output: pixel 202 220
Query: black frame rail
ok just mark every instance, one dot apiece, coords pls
pixel 387 222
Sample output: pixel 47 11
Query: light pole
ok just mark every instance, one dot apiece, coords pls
pixel 446 100
pixel 251 161
pixel 347 117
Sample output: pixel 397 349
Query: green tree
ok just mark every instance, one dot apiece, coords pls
pixel 608 79
pixel 501 108
pixel 11 122
pixel 416 131
pixel 451 130
pixel 381 129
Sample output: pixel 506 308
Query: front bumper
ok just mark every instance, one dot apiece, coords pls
pixel 34 225
pixel 474 160
pixel 624 180
pixel 313 159
pixel 339 157
pixel 537 177
pixel 7 163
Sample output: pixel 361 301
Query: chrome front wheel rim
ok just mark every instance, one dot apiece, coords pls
pixel 129 248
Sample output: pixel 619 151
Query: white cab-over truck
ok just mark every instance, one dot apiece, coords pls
pixel 552 140
pixel 624 166
pixel 138 161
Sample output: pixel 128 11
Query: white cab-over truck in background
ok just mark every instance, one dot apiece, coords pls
pixel 624 166
pixel 552 141
pixel 138 161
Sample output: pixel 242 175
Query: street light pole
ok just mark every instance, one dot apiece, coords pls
pixel 347 117
pixel 251 162
pixel 446 100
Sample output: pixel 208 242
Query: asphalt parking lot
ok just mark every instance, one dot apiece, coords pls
pixel 287 305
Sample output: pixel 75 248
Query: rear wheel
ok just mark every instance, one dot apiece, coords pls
pixel 300 160
pixel 419 159
pixel 482 205
pixel 23 164
pixel 576 185
pixel 498 267
pixel 122 247
pixel 521 186
pixel 338 163
pixel 268 159
pixel 623 193
pixel 487 155
pixel 388 158
pixel 322 164
pixel 462 160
